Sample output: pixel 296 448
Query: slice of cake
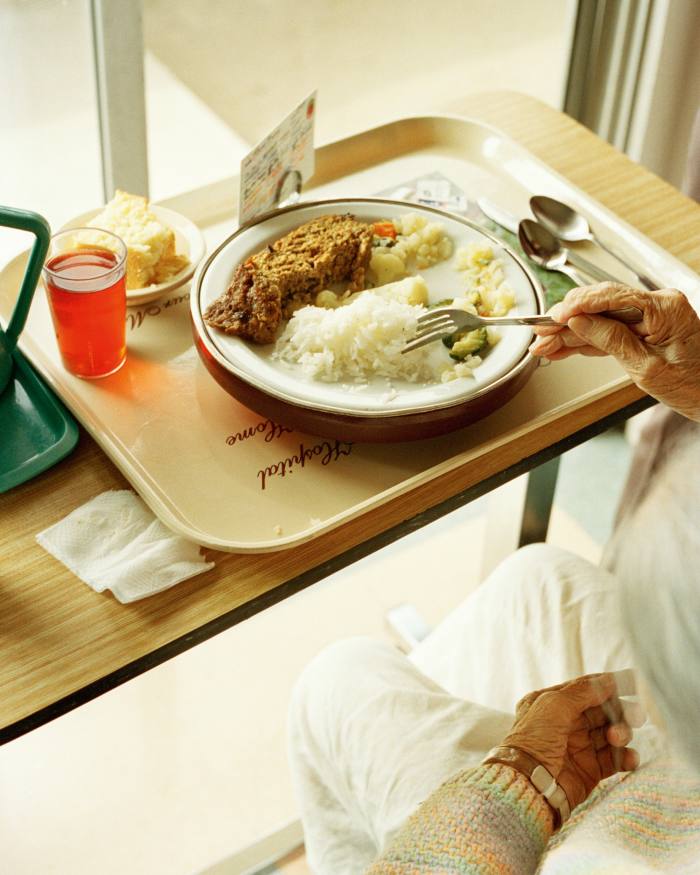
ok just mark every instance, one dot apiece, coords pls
pixel 150 244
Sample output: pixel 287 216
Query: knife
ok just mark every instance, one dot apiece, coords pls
pixel 496 214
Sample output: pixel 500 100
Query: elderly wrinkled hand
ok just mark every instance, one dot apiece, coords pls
pixel 579 730
pixel 661 353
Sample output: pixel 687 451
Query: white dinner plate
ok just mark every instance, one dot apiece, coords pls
pixel 189 241
pixel 255 365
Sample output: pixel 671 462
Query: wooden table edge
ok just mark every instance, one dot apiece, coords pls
pixel 275 594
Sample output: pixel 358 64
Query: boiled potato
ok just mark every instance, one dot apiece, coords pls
pixel 327 299
pixel 411 290
pixel 386 266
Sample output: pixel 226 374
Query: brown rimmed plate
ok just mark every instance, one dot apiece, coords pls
pixel 377 411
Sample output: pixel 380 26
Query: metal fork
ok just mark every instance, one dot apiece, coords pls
pixel 444 321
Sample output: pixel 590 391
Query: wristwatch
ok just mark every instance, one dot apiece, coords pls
pixel 540 778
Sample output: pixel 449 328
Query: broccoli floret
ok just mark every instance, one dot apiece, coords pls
pixel 467 344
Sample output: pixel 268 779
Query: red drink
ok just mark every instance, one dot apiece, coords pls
pixel 87 294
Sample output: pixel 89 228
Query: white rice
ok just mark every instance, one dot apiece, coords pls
pixel 358 341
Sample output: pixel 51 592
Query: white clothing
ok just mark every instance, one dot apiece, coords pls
pixel 373 733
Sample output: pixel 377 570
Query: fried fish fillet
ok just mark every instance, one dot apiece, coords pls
pixel 271 284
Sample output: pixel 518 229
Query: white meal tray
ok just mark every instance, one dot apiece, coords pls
pixel 225 477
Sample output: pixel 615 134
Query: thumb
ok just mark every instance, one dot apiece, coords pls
pixel 610 336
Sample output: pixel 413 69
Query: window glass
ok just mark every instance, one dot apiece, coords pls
pixel 49 149
pixel 222 73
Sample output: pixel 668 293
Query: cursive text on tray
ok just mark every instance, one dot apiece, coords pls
pixel 135 318
pixel 325 451
pixel 271 431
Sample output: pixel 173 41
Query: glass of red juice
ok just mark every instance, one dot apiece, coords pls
pixel 86 288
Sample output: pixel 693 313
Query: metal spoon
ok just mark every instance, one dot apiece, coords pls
pixel 545 250
pixel 571 227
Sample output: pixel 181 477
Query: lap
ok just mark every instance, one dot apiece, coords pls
pixel 542 617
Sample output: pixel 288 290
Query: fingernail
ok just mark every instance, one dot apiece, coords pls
pixel 582 316
pixel 622 734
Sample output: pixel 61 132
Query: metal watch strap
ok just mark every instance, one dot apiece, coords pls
pixel 540 778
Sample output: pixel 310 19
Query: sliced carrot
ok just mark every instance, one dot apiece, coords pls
pixel 384 229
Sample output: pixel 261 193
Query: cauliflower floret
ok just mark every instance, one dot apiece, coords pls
pixel 432 232
pixel 413 241
pixel 410 223
pixel 444 248
pixel 401 250
pixel 493 336
pixel 418 238
pixel 465 304
pixel 473 255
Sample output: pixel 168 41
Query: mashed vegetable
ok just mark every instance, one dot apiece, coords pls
pixel 484 277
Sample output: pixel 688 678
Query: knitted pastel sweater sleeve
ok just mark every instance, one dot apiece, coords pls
pixel 488 820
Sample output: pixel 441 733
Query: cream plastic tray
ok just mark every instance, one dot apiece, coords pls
pixel 227 478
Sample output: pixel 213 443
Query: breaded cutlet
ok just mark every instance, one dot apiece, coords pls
pixel 288 273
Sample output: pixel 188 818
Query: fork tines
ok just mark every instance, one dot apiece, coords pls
pixel 431 326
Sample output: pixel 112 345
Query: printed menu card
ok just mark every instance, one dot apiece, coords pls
pixel 280 163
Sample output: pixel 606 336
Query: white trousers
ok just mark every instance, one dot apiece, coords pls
pixel 373 732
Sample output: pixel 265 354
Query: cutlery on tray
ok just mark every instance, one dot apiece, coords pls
pixel 571 227
pixel 444 321
pixel 545 250
pixel 542 247
pixel 566 225
pixel 496 214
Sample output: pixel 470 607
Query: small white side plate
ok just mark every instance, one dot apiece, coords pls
pixel 189 241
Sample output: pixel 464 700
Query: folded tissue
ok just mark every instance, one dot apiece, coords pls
pixel 115 542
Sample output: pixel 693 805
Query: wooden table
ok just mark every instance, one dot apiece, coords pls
pixel 63 644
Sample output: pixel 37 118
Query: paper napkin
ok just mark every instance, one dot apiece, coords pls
pixel 115 542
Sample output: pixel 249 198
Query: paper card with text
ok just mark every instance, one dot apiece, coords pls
pixel 280 163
